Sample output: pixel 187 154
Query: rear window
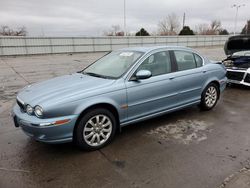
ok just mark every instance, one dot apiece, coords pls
pixel 198 60
pixel 185 60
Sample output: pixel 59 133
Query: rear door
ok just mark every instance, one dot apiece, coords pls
pixel 190 76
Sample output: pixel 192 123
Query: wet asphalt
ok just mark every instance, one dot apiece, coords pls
pixel 188 148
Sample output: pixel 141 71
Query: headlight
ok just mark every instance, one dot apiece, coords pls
pixel 29 109
pixel 38 111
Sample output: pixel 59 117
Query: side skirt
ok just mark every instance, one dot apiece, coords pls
pixel 158 113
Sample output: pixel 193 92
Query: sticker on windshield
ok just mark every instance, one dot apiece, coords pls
pixel 126 54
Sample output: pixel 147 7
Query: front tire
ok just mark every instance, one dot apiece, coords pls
pixel 209 97
pixel 95 130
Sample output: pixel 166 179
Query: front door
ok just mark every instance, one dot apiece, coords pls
pixel 155 94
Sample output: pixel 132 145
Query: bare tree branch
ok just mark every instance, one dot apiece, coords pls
pixel 170 25
pixel 7 31
pixel 21 31
pixel 213 29
pixel 114 31
pixel 215 25
pixel 202 29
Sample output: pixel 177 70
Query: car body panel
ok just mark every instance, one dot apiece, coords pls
pixel 159 93
pixel 63 88
pixel 50 134
pixel 189 84
pixel 68 97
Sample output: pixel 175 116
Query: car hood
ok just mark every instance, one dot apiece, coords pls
pixel 236 44
pixel 66 87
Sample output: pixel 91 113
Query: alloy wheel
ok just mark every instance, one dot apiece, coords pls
pixel 211 96
pixel 97 130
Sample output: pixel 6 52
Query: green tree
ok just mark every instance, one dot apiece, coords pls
pixel 186 31
pixel 142 32
pixel 223 32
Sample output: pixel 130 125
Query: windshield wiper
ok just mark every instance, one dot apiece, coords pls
pixel 96 75
pixel 92 74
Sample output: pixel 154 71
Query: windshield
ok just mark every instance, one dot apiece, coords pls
pixel 113 65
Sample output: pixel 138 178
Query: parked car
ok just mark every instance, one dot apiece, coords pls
pixel 121 88
pixel 238 61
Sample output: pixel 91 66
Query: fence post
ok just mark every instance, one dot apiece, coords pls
pixel 110 41
pixel 25 46
pixel 73 43
pixel 93 43
pixel 51 46
pixel 1 46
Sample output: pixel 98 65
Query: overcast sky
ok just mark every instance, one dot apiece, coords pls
pixel 92 17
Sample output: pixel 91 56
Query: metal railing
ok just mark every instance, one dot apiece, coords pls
pixel 55 45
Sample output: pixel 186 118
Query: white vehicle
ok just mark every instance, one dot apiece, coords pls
pixel 238 61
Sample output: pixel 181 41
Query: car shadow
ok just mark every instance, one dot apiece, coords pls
pixel 127 132
pixel 238 86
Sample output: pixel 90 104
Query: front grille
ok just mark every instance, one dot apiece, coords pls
pixel 247 78
pixel 235 75
pixel 21 105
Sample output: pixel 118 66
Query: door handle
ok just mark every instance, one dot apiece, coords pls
pixel 171 78
pixel 204 71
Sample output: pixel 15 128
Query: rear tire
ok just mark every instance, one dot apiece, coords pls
pixel 209 97
pixel 95 130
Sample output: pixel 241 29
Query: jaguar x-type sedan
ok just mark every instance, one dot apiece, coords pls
pixel 123 87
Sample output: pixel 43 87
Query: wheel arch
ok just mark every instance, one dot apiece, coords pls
pixel 214 81
pixel 217 83
pixel 106 106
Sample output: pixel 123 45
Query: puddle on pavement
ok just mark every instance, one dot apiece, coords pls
pixel 183 131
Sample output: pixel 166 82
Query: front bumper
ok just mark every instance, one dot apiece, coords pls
pixel 48 134
pixel 238 76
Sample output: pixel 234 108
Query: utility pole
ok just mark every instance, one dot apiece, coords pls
pixel 183 21
pixel 124 17
pixel 236 15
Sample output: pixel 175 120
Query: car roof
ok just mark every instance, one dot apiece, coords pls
pixel 151 48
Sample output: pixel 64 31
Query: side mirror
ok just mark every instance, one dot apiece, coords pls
pixel 143 74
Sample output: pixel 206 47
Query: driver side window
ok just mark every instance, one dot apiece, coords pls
pixel 158 63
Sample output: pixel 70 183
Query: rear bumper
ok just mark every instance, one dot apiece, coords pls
pixel 30 125
pixel 223 84
pixel 238 76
